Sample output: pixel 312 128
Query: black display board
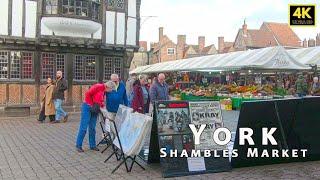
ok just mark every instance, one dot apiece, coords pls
pixel 171 130
pixel 257 115
pixel 306 128
pixel 298 127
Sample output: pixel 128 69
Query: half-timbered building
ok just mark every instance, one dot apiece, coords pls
pixel 86 39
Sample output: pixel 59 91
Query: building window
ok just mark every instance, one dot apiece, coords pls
pixel 117 65
pixel 48 61
pixel 170 51
pixel 60 62
pixel 112 65
pixel 116 5
pixel 51 63
pixel 95 10
pixel 90 68
pixel 75 7
pixel 85 67
pixel 4 61
pixel 26 65
pixel 107 67
pixel 16 65
pixel 51 6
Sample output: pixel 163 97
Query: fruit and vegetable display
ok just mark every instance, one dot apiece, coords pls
pixel 233 90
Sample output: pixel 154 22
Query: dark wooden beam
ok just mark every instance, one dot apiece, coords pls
pixel 138 22
pixel 10 18
pixel 24 18
pixel 115 28
pixel 38 23
pixel 69 76
pixel 37 73
pixel 103 19
pixel 100 68
pixel 126 22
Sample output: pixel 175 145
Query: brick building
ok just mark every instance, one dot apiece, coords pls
pixel 140 58
pixel 167 50
pixel 86 39
pixel 269 34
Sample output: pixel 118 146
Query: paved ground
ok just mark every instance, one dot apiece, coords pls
pixel 29 150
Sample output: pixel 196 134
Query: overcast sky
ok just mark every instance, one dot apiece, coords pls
pixel 213 18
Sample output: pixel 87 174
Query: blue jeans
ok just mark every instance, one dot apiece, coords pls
pixel 88 121
pixel 60 113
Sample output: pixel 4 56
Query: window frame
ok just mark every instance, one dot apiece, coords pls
pixel 51 7
pixel 113 67
pixel 55 69
pixel 20 64
pixel 174 51
pixel 113 5
pixel 84 58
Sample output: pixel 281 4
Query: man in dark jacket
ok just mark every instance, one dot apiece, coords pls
pixel 301 86
pixel 58 96
pixel 116 97
pixel 159 89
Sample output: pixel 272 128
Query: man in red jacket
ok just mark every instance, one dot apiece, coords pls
pixel 93 97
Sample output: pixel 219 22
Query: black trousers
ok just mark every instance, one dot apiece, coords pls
pixel 42 116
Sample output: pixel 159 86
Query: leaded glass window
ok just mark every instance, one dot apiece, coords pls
pixel 85 67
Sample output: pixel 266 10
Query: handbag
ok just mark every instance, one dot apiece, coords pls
pixel 95 109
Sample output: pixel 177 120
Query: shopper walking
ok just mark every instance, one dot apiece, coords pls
pixel 61 86
pixel 47 105
pixel 94 100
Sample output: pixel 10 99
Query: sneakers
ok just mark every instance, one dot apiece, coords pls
pixel 65 119
pixel 94 149
pixel 80 150
pixel 54 122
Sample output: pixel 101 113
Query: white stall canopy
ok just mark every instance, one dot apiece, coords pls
pixel 308 56
pixel 271 58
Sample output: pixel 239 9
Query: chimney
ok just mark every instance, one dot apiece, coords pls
pixel 143 46
pixel 160 33
pixel 318 40
pixel 311 43
pixel 201 43
pixel 181 43
pixel 181 40
pixel 305 43
pixel 220 44
pixel 245 28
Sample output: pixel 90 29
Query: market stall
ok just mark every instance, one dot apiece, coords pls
pixel 307 56
pixel 242 76
pixel 272 58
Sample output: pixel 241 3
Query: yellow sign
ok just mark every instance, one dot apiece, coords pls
pixel 302 15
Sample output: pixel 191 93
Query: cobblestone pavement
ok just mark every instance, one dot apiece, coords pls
pixel 29 150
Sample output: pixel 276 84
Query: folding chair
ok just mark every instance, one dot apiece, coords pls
pixel 121 156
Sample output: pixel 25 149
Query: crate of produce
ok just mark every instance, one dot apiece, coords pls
pixel 226 104
pixel 236 102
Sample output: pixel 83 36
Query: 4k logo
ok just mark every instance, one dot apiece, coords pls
pixel 302 15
